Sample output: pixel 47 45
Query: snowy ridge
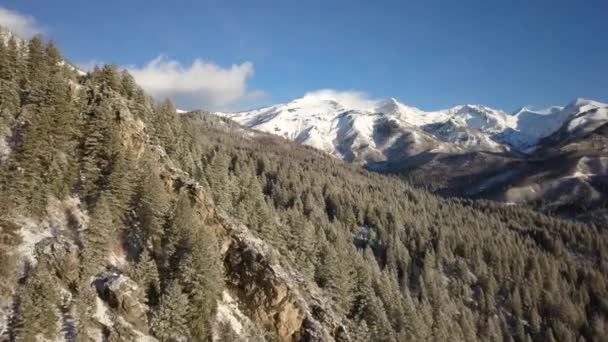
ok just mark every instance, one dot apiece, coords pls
pixel 361 129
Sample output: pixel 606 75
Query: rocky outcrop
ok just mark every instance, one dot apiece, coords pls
pixel 123 294
pixel 275 296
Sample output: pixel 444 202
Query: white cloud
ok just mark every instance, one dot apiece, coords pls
pixel 88 65
pixel 22 25
pixel 352 99
pixel 199 85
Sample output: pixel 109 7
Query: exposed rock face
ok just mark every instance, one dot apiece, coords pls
pixel 124 295
pixel 269 298
pixel 276 296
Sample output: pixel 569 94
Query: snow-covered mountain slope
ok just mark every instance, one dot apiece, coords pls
pixel 455 131
pixel 363 130
pixel 588 115
pixel 482 118
pixel 411 115
pixel 359 131
pixel 353 131
pixel 580 117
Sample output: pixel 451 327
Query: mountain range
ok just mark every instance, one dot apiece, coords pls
pixel 533 155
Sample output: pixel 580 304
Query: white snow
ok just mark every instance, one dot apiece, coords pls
pixel 117 259
pixel 5 149
pixel 31 233
pixel 589 121
pixel 410 115
pixel 339 123
pixel 228 312
pixel 101 313
pixel 483 118
pixel 591 166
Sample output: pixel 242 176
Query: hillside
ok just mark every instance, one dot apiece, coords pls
pixel 468 151
pixel 123 220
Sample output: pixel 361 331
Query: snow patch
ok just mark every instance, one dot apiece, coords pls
pixel 228 312
pixel 5 149
pixel 31 233
pixel 588 121
pixel 102 313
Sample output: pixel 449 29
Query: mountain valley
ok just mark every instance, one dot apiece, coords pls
pixel 528 157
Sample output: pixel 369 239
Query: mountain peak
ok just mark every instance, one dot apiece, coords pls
pixel 539 110
pixel 581 101
pixel 348 100
pixel 393 100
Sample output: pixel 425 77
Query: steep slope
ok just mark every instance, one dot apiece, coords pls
pixel 456 130
pixel 482 118
pixel 123 220
pixel 113 241
pixel 581 117
pixel 351 131
pixel 469 150
pixel 313 120
pixel 365 132
pixel 565 175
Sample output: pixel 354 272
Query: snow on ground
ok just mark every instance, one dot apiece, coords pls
pixel 31 233
pixel 324 119
pixel 483 118
pixel 101 312
pixel 591 166
pixel 117 258
pixel 588 122
pixel 5 149
pixel 228 312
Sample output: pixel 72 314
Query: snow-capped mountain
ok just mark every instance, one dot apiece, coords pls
pixel 456 131
pixel 482 118
pixel 367 130
pixel 585 116
pixel 352 130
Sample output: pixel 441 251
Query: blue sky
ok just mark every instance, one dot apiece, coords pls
pixel 430 54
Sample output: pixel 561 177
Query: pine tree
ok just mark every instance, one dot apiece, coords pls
pixel 146 275
pixel 218 178
pixel 225 332
pixel 9 104
pixel 96 149
pixel 170 322
pixel 300 242
pixel 252 207
pixel 6 72
pixel 333 276
pixel 201 279
pixel 165 126
pixel 54 59
pixel 97 239
pixel 39 307
pixel 108 76
pixel 16 65
pixel 152 209
pixel 37 69
pixel 85 306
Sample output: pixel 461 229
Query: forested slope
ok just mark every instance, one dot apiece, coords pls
pixel 122 220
